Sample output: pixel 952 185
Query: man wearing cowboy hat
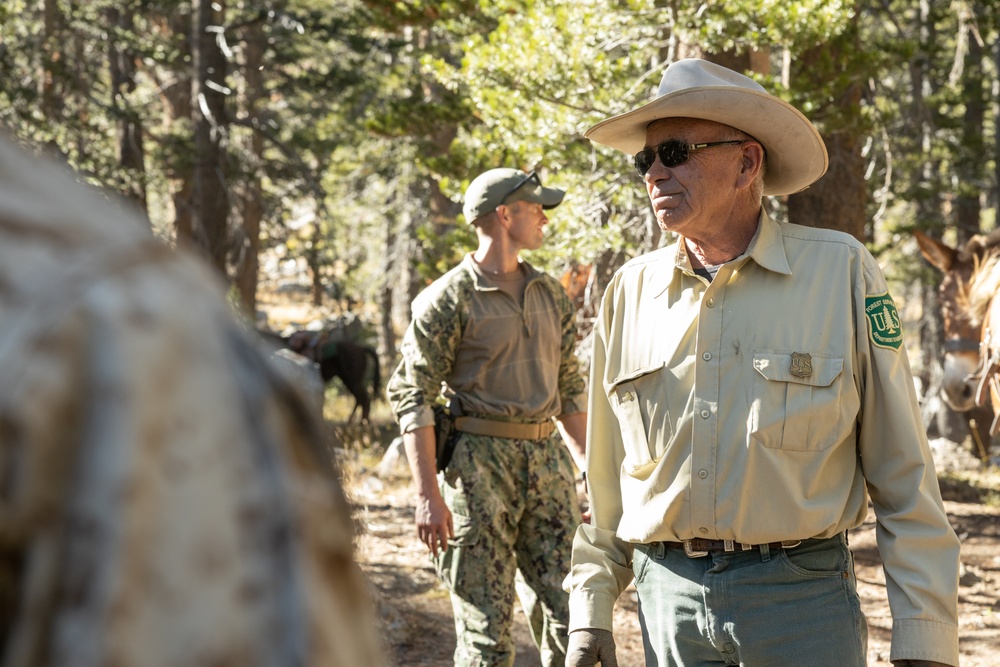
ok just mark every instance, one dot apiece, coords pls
pixel 750 393
pixel 500 336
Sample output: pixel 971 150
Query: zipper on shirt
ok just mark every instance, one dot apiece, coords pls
pixel 524 304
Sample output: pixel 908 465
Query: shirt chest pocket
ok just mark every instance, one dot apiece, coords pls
pixel 639 401
pixel 801 402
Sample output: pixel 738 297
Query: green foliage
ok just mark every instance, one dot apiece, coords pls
pixel 376 114
pixel 734 26
pixel 535 83
pixel 444 250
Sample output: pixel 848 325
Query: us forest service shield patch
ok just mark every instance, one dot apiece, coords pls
pixel 883 321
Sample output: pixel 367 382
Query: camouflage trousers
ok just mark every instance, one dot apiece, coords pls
pixel 515 510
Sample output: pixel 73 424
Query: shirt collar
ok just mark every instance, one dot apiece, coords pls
pixel 767 248
pixel 482 281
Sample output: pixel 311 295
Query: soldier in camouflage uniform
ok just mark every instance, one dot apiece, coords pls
pixel 165 496
pixel 499 336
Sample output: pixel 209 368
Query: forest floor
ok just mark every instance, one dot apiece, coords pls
pixel 415 612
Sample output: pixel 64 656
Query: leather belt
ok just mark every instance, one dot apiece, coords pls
pixel 500 429
pixel 698 547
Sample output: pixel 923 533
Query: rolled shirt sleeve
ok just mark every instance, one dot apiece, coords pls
pixel 428 354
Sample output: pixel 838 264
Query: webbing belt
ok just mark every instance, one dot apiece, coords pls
pixel 701 547
pixel 499 429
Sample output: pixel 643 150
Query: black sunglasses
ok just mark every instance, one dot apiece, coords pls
pixel 531 176
pixel 672 153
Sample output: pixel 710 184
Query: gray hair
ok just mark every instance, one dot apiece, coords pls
pixel 757 187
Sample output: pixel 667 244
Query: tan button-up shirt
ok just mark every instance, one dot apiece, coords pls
pixel 766 405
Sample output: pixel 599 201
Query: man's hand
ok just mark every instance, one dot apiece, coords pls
pixel 434 522
pixel 589 647
pixel 919 663
pixel 432 516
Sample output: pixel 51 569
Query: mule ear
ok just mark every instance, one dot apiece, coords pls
pixel 940 256
pixel 974 247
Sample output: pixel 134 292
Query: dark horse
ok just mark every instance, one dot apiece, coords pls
pixel 341 358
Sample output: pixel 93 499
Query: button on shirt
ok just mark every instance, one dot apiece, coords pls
pixel 747 409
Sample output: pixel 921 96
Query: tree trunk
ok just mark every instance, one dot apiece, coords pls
pixel 176 97
pixel 406 250
pixel 121 64
pixel 996 140
pixel 744 61
pixel 402 283
pixel 939 418
pixel 971 165
pixel 51 54
pixel 253 208
pixel 210 196
pixel 313 260
pixel 387 333
pixel 839 199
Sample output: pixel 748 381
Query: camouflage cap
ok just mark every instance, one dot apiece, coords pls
pixel 505 186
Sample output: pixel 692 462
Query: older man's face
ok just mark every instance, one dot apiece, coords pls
pixel 694 198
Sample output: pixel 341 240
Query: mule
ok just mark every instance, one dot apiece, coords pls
pixel 982 305
pixel 352 362
pixel 962 272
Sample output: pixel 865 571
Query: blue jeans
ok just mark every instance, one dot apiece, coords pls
pixel 767 608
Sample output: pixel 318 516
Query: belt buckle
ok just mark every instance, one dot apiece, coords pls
pixel 690 552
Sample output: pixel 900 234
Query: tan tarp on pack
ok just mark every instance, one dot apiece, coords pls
pixel 165 498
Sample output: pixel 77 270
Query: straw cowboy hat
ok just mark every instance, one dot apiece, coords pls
pixel 694 88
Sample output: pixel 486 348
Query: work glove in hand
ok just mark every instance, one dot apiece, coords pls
pixel 591 647
pixel 918 663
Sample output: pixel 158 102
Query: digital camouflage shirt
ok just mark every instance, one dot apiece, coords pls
pixel 501 358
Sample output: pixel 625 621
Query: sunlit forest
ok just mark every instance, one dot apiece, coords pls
pixel 323 147
pixel 315 153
